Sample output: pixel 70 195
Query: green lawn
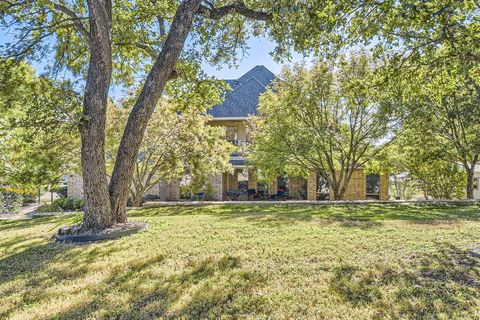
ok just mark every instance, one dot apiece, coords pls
pixel 250 262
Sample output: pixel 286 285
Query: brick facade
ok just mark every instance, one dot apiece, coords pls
pixel 233 180
pixel 356 188
pixel 217 184
pixel 173 190
pixel 165 191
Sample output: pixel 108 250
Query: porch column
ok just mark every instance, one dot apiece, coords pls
pixel 273 187
pixel 312 186
pixel 252 178
pixel 384 186
pixel 233 181
pixel 173 190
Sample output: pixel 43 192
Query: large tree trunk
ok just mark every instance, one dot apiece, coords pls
pixel 92 128
pixel 145 105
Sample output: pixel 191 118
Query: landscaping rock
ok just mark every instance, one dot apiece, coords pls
pixel 65 230
pixel 475 252
pixel 75 234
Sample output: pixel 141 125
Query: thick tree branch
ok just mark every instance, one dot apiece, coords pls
pixel 78 25
pixel 237 7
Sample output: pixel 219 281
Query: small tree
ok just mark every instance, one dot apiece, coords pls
pixel 178 140
pixel 39 142
pixel 430 162
pixel 445 108
pixel 330 119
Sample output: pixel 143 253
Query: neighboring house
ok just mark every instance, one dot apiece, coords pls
pixel 240 103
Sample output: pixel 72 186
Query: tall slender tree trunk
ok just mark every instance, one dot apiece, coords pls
pixel 470 173
pixel 137 199
pixel 151 92
pixel 92 127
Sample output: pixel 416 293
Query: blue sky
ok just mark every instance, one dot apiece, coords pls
pixel 257 54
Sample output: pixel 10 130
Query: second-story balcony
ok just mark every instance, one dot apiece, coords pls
pixel 242 147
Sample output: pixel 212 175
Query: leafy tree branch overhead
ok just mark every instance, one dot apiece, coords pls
pixel 104 41
pixel 161 26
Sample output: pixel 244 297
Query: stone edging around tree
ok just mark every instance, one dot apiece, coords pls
pixel 107 234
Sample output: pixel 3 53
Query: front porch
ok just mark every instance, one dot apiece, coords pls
pixel 243 185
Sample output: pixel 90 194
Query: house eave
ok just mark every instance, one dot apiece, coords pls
pixel 229 118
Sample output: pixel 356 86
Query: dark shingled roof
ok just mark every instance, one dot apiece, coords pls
pixel 237 162
pixel 242 100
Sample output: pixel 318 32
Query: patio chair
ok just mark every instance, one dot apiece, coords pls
pixel 232 195
pixel 251 193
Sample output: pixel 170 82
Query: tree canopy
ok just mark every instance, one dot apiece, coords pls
pixel 123 41
pixel 179 141
pixel 331 119
pixel 38 135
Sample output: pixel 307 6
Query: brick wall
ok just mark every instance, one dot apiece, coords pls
pixel 252 179
pixel 356 188
pixel 173 190
pixel 75 188
pixel 233 180
pixel 217 184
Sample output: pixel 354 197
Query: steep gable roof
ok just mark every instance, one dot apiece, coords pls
pixel 242 100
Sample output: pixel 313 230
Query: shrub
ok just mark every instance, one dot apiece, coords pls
pixel 209 192
pixel 61 191
pixel 62 204
pixel 151 197
pixel 10 202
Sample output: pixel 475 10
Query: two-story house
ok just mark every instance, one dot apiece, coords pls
pixel 241 102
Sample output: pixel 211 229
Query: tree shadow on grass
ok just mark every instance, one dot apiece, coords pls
pixel 6 225
pixel 444 283
pixel 203 287
pixel 207 288
pixel 276 215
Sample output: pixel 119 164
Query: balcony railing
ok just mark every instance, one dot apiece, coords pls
pixel 239 143
pixel 242 146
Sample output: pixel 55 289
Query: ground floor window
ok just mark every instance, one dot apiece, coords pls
pixel 322 188
pixel 373 186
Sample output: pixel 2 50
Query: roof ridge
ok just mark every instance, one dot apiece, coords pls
pixel 253 78
pixel 244 92
pixel 244 82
